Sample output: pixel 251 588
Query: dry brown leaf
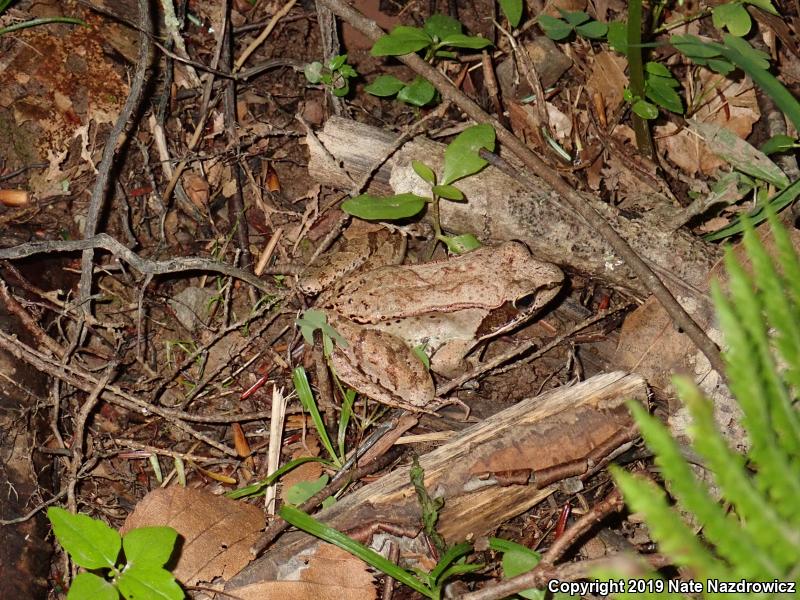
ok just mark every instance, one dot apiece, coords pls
pixel 197 189
pixel 732 105
pixel 608 80
pixel 330 574
pixel 216 532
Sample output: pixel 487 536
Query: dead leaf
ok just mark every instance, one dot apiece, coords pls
pixel 608 80
pixel 731 105
pixel 330 574
pixel 197 189
pixel 216 532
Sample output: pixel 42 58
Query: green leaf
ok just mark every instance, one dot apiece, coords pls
pixel 555 29
pixel 385 85
pixel 441 26
pixel 303 490
pixel 314 319
pixel 512 9
pixel 419 352
pixel 645 109
pixel 310 525
pixel 593 29
pixel 337 62
pixel 424 171
pixel 448 558
pixel 723 67
pixel 417 93
pixel 657 69
pixel 459 40
pixel 150 546
pixel 733 16
pixel 461 156
pixel 618 36
pixel 765 5
pixel 778 143
pixel 739 153
pixel 517 559
pixel 694 47
pixel 306 397
pixel 574 18
pixel 152 583
pixel 402 40
pixel 91 543
pixel 778 202
pixel 756 58
pixel 258 488
pixel 313 71
pixel 374 208
pixel 448 191
pixel 661 91
pixel 88 586
pixel 461 244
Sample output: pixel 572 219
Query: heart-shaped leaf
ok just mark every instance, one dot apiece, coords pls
pixel 593 29
pixel 555 29
pixel 418 93
pixel 441 26
pixel 512 9
pixel 461 156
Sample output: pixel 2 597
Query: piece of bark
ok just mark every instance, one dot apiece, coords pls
pixel 548 434
pixel 500 208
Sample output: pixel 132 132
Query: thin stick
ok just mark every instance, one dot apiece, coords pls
pixel 264 34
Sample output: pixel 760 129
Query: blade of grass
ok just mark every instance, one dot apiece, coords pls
pixel 303 388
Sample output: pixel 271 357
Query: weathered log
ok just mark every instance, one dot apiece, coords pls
pixel 500 208
pixel 550 437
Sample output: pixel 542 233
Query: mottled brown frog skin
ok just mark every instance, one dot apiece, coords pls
pixel 384 311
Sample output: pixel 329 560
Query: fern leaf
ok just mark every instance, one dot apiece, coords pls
pixel 781 316
pixel 755 382
pixel 674 537
pixel 731 542
pixel 761 529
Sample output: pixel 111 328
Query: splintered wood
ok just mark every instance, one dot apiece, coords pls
pixel 490 473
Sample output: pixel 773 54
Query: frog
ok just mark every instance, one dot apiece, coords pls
pixel 384 309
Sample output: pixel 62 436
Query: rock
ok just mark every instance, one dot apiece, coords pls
pixel 550 64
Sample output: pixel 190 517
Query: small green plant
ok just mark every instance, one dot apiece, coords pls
pixel 512 9
pixel 660 91
pixel 438 33
pixel 576 21
pixel 429 584
pixel 734 17
pixel 96 547
pixel 753 534
pixel 4 4
pixel 461 159
pixel 734 52
pixel 336 74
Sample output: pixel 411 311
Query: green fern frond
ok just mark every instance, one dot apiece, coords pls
pixel 755 535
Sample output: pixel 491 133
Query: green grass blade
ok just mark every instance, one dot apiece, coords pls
pixel 41 21
pixel 311 525
pixel 306 396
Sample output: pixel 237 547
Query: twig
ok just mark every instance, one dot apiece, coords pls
pixel 264 34
pixel 542 574
pixel 144 266
pixel 104 170
pixel 571 196
pixel 79 434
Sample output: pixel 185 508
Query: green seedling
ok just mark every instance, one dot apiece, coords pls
pixel 660 91
pixel 734 17
pixel 336 75
pixel 139 573
pixel 461 159
pixel 438 33
pixel 512 9
pixel 578 22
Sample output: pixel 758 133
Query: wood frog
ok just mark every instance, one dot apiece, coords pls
pixel 385 310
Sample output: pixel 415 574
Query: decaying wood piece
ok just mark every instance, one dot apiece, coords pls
pixel 500 208
pixel 562 433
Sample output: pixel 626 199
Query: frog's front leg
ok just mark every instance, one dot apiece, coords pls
pixel 380 365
